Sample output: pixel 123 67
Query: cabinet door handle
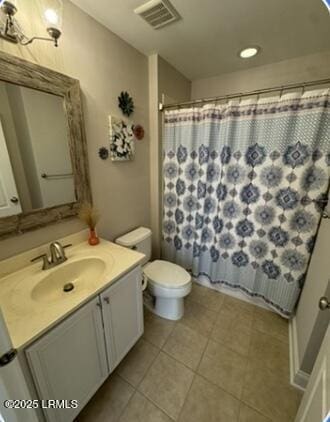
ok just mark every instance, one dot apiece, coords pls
pixel 106 300
pixel 99 305
pixel 324 303
pixel 14 200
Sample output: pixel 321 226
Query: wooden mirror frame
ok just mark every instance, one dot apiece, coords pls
pixel 21 72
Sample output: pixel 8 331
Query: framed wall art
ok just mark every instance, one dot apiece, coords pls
pixel 121 139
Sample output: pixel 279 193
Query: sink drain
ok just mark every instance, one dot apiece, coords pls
pixel 68 287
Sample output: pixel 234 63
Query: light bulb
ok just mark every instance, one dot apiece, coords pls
pixel 51 17
pixel 52 14
pixel 249 52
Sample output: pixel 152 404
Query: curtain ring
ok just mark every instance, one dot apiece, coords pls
pixel 281 92
pixel 303 89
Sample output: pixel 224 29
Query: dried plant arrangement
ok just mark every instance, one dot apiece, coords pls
pixel 90 216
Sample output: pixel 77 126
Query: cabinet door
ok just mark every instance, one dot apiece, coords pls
pixel 69 362
pixel 122 316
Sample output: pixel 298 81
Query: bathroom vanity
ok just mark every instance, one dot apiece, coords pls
pixel 69 342
pixel 71 323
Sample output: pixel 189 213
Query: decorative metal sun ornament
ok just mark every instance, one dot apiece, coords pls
pixel 126 103
pixel 138 132
pixel 103 153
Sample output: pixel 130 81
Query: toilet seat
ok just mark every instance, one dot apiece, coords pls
pixel 167 274
pixel 168 284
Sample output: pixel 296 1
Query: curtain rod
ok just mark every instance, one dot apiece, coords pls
pixel 281 88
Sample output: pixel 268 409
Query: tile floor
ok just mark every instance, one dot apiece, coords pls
pixel 225 361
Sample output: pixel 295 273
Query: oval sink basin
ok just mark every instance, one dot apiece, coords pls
pixel 67 279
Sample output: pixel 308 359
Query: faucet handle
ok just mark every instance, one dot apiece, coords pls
pixel 45 261
pixel 67 246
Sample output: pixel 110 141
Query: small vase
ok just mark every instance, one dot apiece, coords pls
pixel 93 239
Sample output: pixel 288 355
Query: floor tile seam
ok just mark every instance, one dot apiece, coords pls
pixel 150 365
pixel 204 334
pixel 220 388
pixel 261 413
pixel 157 346
pixel 278 379
pixel 203 306
pixel 155 404
pixel 274 377
pixel 222 343
pixel 186 398
pixel 149 342
pixel 256 410
pixel 182 363
pixel 270 334
pixel 185 326
pixel 127 404
pixel 223 389
pixel 148 370
pixel 203 354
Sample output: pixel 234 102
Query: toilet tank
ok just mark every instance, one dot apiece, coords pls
pixel 139 240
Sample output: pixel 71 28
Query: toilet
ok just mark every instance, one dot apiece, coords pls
pixel 168 283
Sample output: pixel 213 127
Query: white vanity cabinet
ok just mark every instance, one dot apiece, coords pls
pixel 122 316
pixel 73 359
pixel 69 362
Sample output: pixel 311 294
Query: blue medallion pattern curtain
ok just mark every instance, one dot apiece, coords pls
pixel 244 187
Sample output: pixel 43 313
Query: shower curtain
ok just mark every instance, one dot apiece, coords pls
pixel 244 187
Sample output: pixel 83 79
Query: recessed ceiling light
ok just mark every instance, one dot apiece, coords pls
pixel 249 52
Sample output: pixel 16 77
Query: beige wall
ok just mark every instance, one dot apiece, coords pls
pixel 105 65
pixel 172 83
pixel 301 69
pixel 164 80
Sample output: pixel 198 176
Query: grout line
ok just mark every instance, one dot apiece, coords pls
pixel 136 388
pixel 220 388
pixel 150 365
pixel 195 372
pixel 255 410
pixel 208 336
pixel 185 399
pixel 148 370
pixel 156 405
pixel 130 399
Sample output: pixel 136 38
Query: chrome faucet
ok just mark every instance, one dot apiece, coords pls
pixel 57 256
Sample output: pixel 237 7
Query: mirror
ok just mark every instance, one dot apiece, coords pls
pixel 34 130
pixel 43 155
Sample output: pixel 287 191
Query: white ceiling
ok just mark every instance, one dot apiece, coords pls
pixel 206 41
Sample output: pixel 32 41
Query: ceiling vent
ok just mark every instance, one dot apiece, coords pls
pixel 158 13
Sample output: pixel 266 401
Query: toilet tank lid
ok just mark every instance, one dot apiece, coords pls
pixel 134 237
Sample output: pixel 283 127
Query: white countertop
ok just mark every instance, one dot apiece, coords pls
pixel 28 318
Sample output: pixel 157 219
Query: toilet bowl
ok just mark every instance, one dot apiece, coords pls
pixel 167 283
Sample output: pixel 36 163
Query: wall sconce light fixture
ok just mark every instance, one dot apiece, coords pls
pixel 11 30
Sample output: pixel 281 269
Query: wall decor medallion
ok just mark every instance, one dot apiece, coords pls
pixel 103 153
pixel 138 132
pixel 121 139
pixel 126 103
